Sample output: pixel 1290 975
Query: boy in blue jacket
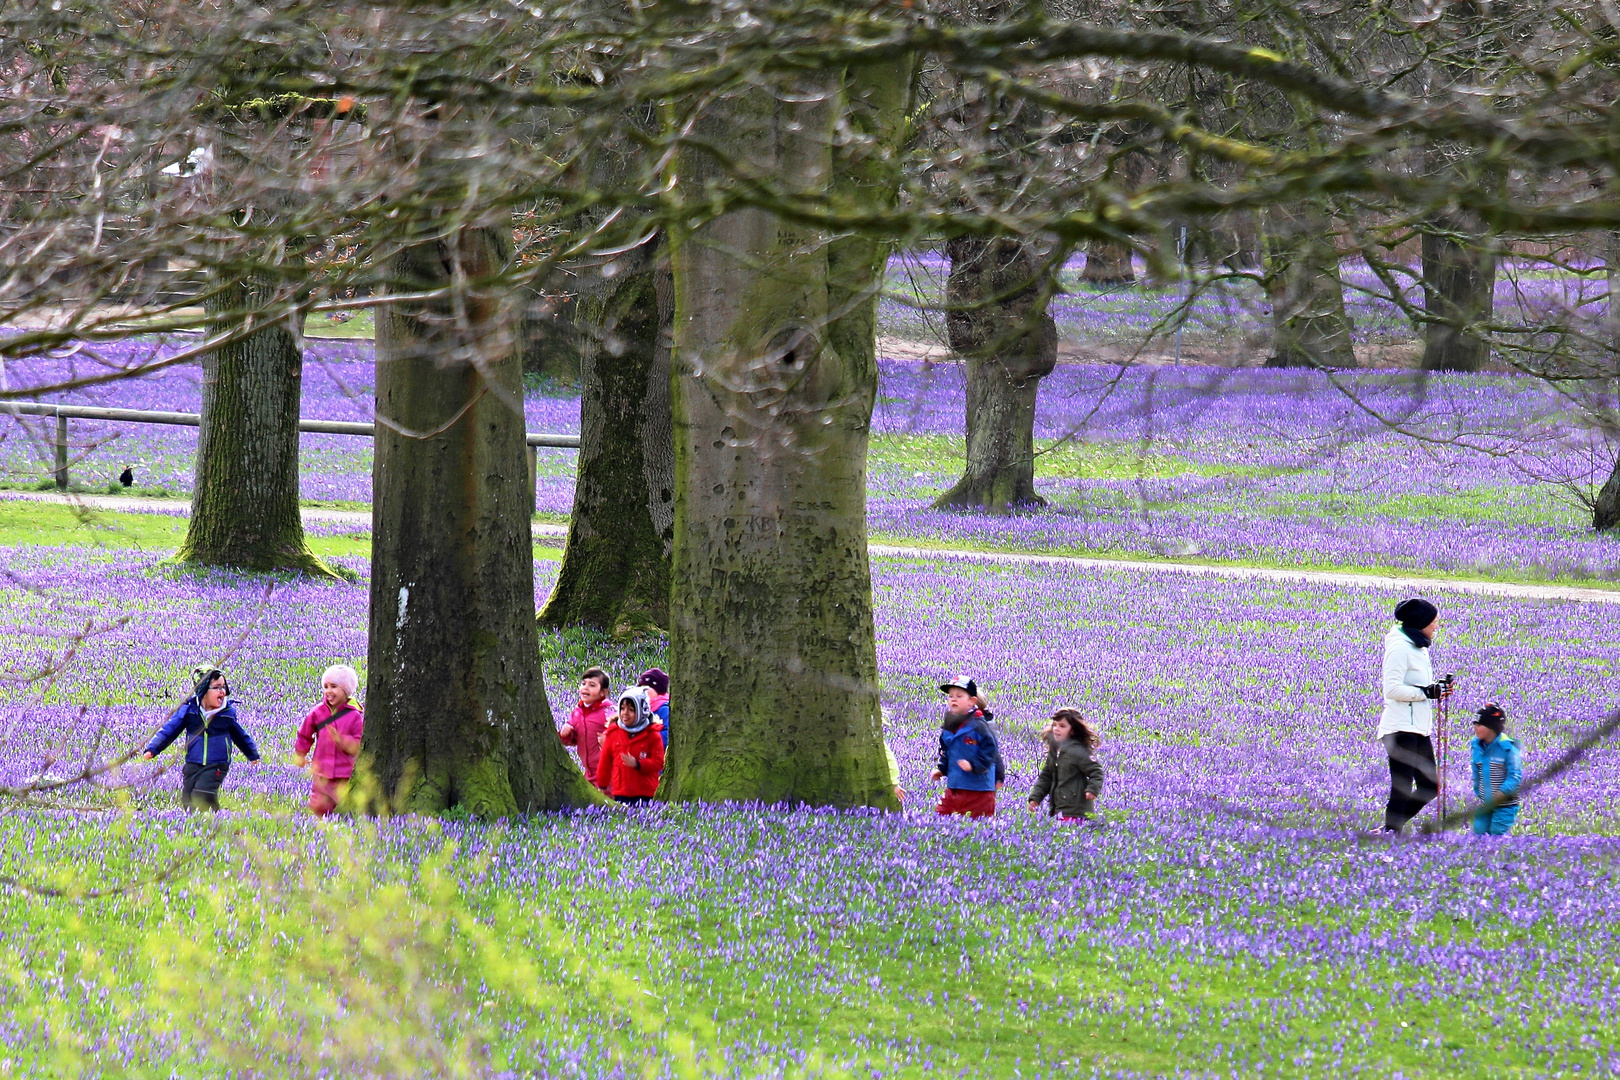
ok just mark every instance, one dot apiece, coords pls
pixel 969 759
pixel 209 721
pixel 1498 770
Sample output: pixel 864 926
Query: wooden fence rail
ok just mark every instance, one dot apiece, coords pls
pixel 64 413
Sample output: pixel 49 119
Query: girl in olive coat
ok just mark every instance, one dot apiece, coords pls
pixel 1072 778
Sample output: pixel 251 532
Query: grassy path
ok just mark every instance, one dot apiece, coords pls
pixel 1394 583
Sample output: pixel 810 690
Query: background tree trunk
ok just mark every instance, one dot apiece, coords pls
pixel 615 571
pixel 457 711
pixel 772 651
pixel 998 323
pixel 244 503
pixel 1309 326
pixel 1606 510
pixel 1108 264
pixel 1459 286
pixel 549 340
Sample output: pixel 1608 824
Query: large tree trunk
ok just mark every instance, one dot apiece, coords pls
pixel 457 711
pixel 244 503
pixel 1309 325
pixel 998 323
pixel 1459 287
pixel 615 571
pixel 772 652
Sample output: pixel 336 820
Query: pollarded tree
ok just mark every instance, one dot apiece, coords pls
pixel 457 710
pixel 998 323
pixel 772 646
pixel 615 570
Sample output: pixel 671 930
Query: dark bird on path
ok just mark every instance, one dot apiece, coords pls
pixel 127 477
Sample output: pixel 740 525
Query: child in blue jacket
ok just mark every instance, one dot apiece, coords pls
pixel 969 759
pixel 1498 771
pixel 208 718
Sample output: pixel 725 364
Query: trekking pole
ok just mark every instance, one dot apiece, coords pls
pixel 1445 744
pixel 1441 733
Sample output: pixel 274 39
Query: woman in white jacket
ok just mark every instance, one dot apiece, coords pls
pixel 1410 691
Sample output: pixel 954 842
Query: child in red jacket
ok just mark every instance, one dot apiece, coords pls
pixel 633 752
pixel 333 728
pixel 589 721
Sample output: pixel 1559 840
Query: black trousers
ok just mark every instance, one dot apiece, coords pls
pixel 1413 779
pixel 199 785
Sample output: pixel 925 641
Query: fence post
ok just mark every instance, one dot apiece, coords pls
pixel 61 452
pixel 534 471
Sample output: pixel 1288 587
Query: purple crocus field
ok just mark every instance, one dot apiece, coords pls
pixel 1226 920
pixel 1213 693
pixel 1229 314
pixel 1228 917
pixel 1461 475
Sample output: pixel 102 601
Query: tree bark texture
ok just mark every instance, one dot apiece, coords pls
pixel 1309 325
pixel 1459 288
pixel 615 571
pixel 998 323
pixel 457 711
pixel 244 503
pixel 772 653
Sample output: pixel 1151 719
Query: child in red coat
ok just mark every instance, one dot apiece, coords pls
pixel 333 728
pixel 633 752
pixel 589 721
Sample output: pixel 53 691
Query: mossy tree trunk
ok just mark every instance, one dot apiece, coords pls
pixel 1309 324
pixel 998 323
pixel 457 715
pixel 615 571
pixel 244 502
pixel 1459 289
pixel 773 661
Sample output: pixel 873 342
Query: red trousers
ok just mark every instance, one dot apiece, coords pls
pixel 971 803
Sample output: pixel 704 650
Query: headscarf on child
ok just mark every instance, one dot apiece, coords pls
pixel 638 695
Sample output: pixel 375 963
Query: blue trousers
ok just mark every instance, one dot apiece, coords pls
pixel 1495 822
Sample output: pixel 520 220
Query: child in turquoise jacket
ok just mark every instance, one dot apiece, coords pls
pixel 1498 771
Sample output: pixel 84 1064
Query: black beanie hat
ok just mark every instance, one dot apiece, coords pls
pixel 1416 613
pixel 1493 717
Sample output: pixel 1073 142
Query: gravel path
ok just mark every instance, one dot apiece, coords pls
pixel 1573 593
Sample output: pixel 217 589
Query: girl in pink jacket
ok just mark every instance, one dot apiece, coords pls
pixel 333 728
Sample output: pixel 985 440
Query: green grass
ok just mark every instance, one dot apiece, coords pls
pixel 513 936
pixel 59 525
pixel 1055 459
pixel 56 524
pixel 1371 569
pixel 359 324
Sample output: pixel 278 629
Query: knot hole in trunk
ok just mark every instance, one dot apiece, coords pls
pixel 793 348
